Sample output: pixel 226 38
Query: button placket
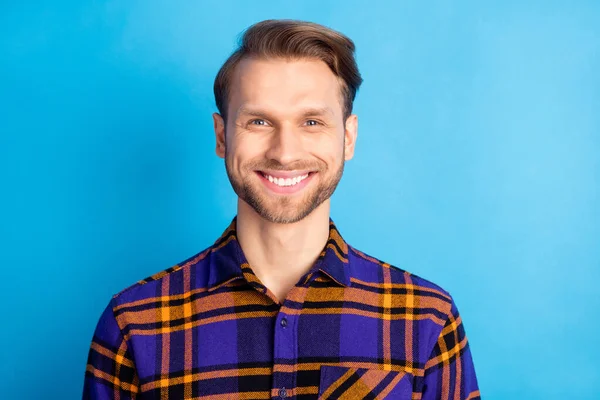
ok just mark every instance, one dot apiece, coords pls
pixel 286 344
pixel 285 351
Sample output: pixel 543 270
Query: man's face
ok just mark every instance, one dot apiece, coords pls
pixel 285 142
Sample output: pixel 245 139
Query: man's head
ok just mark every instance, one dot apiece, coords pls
pixel 285 125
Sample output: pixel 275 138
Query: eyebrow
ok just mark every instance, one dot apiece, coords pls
pixel 307 112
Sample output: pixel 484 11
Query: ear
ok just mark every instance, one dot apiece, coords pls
pixel 350 133
pixel 219 126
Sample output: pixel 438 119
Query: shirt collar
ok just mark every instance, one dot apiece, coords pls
pixel 227 258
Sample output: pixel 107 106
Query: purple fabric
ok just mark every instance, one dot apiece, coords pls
pixel 352 327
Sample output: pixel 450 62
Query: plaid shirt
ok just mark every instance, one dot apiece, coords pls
pixel 353 327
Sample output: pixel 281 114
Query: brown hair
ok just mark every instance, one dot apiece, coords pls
pixel 293 39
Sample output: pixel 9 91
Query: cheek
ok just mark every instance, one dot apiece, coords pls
pixel 241 152
pixel 330 149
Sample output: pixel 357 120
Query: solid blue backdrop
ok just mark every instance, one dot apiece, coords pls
pixel 477 167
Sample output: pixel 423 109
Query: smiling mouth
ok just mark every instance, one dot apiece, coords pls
pixel 286 181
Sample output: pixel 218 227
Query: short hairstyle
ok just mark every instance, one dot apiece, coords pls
pixel 292 39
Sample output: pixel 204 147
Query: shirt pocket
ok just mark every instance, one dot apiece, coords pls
pixel 338 382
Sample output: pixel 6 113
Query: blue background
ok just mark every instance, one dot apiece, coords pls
pixel 477 167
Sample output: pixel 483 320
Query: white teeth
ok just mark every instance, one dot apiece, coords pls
pixel 286 181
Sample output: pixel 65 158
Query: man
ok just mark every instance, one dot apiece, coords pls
pixel 280 306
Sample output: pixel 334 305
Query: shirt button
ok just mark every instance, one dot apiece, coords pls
pixel 284 324
pixel 282 393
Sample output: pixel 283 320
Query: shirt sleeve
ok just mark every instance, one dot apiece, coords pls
pixel 110 371
pixel 449 373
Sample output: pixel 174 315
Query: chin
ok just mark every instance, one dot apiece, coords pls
pixel 283 218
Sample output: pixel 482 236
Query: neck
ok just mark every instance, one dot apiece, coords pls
pixel 279 254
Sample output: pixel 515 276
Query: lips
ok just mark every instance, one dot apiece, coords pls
pixel 285 174
pixel 285 182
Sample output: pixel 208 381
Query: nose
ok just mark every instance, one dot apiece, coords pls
pixel 285 146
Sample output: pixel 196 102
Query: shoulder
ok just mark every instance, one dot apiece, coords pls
pixel 152 286
pixel 369 270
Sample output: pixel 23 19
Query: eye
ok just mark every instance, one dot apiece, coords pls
pixel 312 122
pixel 259 122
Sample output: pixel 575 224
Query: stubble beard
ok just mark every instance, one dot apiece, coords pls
pixel 284 209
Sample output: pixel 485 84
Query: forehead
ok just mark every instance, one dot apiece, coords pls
pixel 284 86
